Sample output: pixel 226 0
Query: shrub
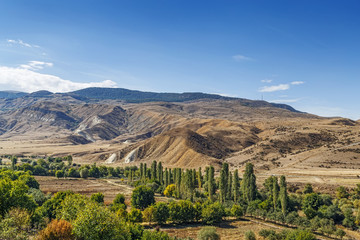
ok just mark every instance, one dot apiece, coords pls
pixel 84 173
pixel 170 190
pixel 161 213
pixel 135 215
pixel 213 213
pixel 57 230
pixel 15 225
pixel 208 233
pixel 237 211
pixel 59 173
pixel 119 199
pixel 142 197
pixel 250 235
pixel 98 197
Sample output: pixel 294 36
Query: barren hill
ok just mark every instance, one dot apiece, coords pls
pixel 202 130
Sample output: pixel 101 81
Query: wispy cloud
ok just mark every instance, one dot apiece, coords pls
pixel 36 65
pixel 266 81
pixel 297 83
pixel 240 58
pixel 22 43
pixel 28 80
pixel 280 87
pixel 285 100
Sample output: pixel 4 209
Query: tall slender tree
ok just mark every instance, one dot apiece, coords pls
pixel 275 192
pixel 166 178
pixel 230 185
pixel 199 178
pixel 248 184
pixel 223 185
pixel 153 170
pixel 159 173
pixel 283 195
pixel 211 182
pixel 236 186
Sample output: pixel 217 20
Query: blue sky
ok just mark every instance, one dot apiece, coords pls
pixel 303 53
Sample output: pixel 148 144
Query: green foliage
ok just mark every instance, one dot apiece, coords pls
pixel 142 197
pixel 14 194
pixel 37 195
pixel 341 192
pixel 300 235
pixel 98 223
pixel 237 211
pixel 161 213
pixel 15 225
pixel 53 205
pixel 213 213
pixel 135 215
pixel 308 189
pixel 208 233
pixel 59 174
pixel 98 197
pixel 71 206
pixel 250 235
pixel 84 173
pixel 248 184
pixel 152 235
pixel 119 199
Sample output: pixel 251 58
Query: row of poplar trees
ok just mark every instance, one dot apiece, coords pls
pixel 229 184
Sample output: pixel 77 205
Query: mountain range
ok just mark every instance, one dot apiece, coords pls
pixel 119 126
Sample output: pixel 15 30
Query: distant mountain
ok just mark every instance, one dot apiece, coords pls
pixel 134 96
pixel 12 94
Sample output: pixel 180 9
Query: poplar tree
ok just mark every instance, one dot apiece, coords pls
pixel 166 178
pixel 178 182
pixel 170 178
pixel 194 178
pixel 283 195
pixel 275 191
pixel 145 171
pixel 229 190
pixel 222 185
pixel 236 186
pixel 199 178
pixel 153 170
pixel 159 173
pixel 141 171
pixel 211 182
pixel 248 184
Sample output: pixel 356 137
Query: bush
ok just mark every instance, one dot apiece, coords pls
pixel 208 233
pixel 170 190
pixel 250 235
pixel 135 215
pixel 96 222
pixel 98 197
pixel 213 213
pixel 84 173
pixel 119 199
pixel 142 197
pixel 15 225
pixel 161 213
pixel 237 211
pixel 57 230
pixel 300 235
pixel 59 173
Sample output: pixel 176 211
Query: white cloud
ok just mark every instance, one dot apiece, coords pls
pixel 280 87
pixel 22 43
pixel 239 58
pixel 27 80
pixel 36 65
pixel 286 100
pixel 266 81
pixel 297 83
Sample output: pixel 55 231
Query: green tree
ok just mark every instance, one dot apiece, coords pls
pixel 161 213
pixel 199 178
pixel 236 186
pixel 284 199
pixel 13 162
pixel 275 192
pixel 248 184
pixel 237 211
pixel 213 213
pixel 211 182
pixel 153 170
pixel 142 197
pixel 98 223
